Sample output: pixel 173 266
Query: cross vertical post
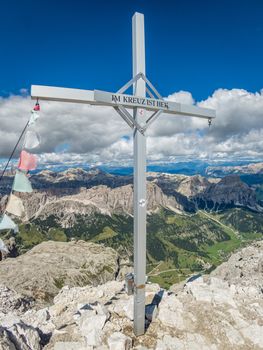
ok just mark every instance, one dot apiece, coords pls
pixel 139 123
pixel 139 181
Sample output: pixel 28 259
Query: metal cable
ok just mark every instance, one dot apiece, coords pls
pixel 11 156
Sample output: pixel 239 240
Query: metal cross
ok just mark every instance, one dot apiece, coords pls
pixel 139 122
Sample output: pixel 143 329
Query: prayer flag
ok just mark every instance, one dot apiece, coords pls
pixel 32 139
pixel 27 161
pixel 7 224
pixel 3 247
pixel 15 206
pixel 21 183
pixel 34 116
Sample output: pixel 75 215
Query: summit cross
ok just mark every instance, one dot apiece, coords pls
pixel 145 98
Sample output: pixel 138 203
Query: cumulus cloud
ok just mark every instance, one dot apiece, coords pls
pixel 78 134
pixel 182 97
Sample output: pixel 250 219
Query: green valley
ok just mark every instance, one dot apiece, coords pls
pixel 178 245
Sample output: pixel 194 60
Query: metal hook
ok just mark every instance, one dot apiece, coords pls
pixel 37 106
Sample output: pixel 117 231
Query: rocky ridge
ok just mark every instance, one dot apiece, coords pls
pixel 222 311
pixel 66 192
pixel 101 199
pixel 114 195
pixel 253 168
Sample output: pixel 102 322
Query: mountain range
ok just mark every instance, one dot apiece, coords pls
pixel 193 222
pixel 252 168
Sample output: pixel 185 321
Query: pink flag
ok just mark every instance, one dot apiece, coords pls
pixel 27 161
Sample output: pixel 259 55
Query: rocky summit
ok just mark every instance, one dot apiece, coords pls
pixel 221 311
pixel 44 270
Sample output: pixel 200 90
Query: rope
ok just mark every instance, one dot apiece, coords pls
pixel 36 108
pixel 11 156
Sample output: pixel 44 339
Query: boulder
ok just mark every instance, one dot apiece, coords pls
pixel 5 341
pixel 20 336
pixel 119 341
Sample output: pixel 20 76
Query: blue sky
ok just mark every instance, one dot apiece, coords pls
pixel 197 46
pixel 207 53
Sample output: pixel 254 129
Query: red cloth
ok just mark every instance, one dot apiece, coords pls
pixel 27 161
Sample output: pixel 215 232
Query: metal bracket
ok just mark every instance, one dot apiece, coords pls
pixel 129 119
pixel 129 83
pixel 152 92
pixel 151 86
pixel 151 119
pixel 126 116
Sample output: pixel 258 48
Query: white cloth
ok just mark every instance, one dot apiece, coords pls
pixel 15 206
pixel 3 247
pixel 21 183
pixel 7 224
pixel 33 118
pixel 32 139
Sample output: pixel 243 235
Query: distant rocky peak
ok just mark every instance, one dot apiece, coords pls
pixel 75 171
pixel 97 171
pixel 252 168
pixel 231 180
pixel 228 192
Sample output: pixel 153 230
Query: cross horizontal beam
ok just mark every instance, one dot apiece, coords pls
pixel 105 98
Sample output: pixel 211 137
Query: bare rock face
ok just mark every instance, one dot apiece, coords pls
pixel 181 187
pixel 230 191
pixel 77 192
pixel 188 186
pixel 98 199
pixel 42 271
pixel 244 269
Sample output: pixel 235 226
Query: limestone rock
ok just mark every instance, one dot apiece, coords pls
pixel 57 264
pixel 87 294
pixel 10 300
pixel 244 269
pixel 119 341
pixel 171 312
pixel 5 341
pixel 90 323
pixel 20 336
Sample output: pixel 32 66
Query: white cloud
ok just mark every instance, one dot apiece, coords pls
pixel 182 97
pixel 95 134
